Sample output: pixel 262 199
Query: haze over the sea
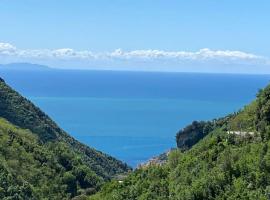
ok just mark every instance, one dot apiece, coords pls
pixel 154 35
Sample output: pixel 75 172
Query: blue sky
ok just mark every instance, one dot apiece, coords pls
pixel 100 27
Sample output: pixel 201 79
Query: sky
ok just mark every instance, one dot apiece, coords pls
pixel 149 35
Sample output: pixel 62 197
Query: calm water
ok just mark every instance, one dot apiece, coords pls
pixel 133 115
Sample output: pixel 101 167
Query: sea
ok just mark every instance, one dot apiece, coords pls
pixel 132 116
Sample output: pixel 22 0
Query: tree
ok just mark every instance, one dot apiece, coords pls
pixel 70 180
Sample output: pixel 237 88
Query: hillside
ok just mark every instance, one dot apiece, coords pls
pixel 40 160
pixel 232 161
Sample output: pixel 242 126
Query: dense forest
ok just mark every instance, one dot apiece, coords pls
pixel 38 160
pixel 227 158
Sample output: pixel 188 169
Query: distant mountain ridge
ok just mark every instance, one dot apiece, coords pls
pixel 24 66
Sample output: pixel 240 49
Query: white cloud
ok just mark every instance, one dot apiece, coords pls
pixel 202 54
pixel 7 49
pixel 133 58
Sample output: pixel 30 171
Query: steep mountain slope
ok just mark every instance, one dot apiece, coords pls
pixel 51 155
pixel 232 162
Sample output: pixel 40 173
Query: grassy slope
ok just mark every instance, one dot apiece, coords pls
pixel 220 166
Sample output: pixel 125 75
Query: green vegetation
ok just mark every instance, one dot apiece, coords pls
pixel 230 161
pixel 30 170
pixel 38 160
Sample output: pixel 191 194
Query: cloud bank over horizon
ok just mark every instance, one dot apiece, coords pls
pixel 203 60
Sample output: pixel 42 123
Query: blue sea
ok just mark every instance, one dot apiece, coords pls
pixel 132 115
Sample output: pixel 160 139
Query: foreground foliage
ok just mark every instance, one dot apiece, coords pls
pixel 29 170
